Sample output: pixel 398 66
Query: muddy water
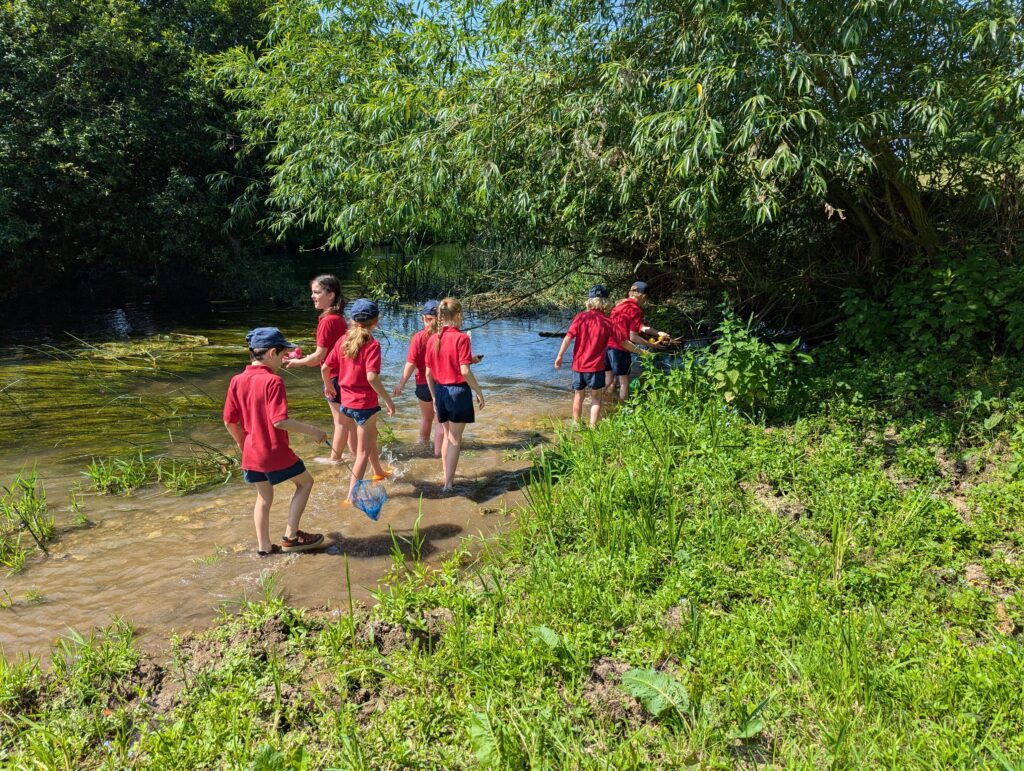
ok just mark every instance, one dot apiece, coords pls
pixel 170 563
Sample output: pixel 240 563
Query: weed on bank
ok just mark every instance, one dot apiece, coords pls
pixel 686 588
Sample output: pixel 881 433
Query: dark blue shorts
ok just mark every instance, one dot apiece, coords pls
pixel 337 392
pixel 584 380
pixel 360 416
pixel 454 404
pixel 618 361
pixel 423 392
pixel 274 477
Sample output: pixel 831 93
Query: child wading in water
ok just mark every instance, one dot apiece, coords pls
pixel 592 331
pixel 416 361
pixel 449 378
pixel 628 327
pixel 356 359
pixel 325 291
pixel 256 416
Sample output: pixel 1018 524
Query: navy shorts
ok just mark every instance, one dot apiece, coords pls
pixel 274 477
pixel 618 361
pixel 584 380
pixel 336 399
pixel 360 416
pixel 423 392
pixel 454 404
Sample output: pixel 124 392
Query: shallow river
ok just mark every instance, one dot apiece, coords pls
pixel 170 563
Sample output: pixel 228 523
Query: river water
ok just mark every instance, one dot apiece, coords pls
pixel 170 562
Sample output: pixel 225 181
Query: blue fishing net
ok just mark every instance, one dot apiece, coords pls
pixel 369 498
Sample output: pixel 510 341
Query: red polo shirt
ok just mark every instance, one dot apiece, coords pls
pixel 446 365
pixel 355 388
pixel 329 330
pixel 592 331
pixel 418 355
pixel 627 317
pixel 256 399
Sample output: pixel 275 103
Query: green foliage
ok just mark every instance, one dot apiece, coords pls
pixel 107 143
pixel 657 691
pixel 26 523
pixel 645 129
pixel 748 372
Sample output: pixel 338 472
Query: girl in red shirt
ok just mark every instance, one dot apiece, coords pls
pixel 356 359
pixel 325 291
pixel 416 361
pixel 449 356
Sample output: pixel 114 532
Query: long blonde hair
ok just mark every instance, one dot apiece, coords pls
pixel 447 311
pixel 602 304
pixel 357 336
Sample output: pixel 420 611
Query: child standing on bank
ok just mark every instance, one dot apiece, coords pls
pixel 628 327
pixel 256 416
pixel 325 291
pixel 416 361
pixel 356 358
pixel 449 378
pixel 592 331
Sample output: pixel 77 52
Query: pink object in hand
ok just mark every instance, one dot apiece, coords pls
pixel 295 354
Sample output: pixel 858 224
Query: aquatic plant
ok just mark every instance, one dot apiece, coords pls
pixel 26 523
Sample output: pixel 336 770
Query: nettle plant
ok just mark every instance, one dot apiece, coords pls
pixel 748 372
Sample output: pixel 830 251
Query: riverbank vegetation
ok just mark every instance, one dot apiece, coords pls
pixel 825 572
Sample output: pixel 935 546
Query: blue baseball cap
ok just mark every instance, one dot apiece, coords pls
pixel 639 286
pixel 598 290
pixel 363 310
pixel 429 308
pixel 267 337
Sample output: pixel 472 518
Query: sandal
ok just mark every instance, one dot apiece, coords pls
pixel 347 504
pixel 302 541
pixel 275 548
pixel 381 477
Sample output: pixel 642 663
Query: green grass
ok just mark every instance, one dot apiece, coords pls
pixel 686 588
pixel 26 523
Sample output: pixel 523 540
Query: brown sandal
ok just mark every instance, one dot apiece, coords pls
pixel 302 541
pixel 275 548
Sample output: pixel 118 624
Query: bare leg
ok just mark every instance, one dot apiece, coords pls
pixel 438 440
pixel 303 487
pixel 577 405
pixel 623 387
pixel 340 438
pixel 452 448
pixel 596 398
pixel 426 420
pixel 370 435
pixel 444 444
pixel 261 514
pixel 363 437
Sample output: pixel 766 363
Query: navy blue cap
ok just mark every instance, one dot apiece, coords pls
pixel 639 286
pixel 429 308
pixel 363 310
pixel 597 290
pixel 267 337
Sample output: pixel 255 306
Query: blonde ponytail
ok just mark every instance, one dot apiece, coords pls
pixel 356 337
pixel 447 311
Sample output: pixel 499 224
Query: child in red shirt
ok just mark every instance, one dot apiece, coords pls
pixel 356 359
pixel 325 291
pixel 628 327
pixel 592 331
pixel 449 378
pixel 256 416
pixel 416 361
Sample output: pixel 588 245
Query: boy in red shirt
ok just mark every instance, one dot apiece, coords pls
pixel 256 416
pixel 592 331
pixel 628 327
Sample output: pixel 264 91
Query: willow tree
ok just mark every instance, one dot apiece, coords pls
pixel 730 139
